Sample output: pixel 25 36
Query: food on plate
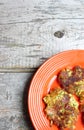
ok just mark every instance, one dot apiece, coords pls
pixel 61 109
pixel 68 78
pixel 79 90
pixel 72 80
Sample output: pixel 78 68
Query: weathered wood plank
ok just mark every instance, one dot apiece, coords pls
pixel 27 31
pixel 13 101
pixel 28 48
pixel 21 11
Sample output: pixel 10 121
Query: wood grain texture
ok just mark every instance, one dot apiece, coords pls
pixel 13 101
pixel 27 31
pixel 31 31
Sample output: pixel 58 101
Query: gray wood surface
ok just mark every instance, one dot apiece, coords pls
pixel 31 31
pixel 27 31
pixel 13 101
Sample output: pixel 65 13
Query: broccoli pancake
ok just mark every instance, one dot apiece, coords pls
pixel 67 77
pixel 72 80
pixel 61 109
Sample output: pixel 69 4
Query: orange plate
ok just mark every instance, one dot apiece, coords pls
pixel 45 80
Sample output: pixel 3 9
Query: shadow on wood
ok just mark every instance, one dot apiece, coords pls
pixel 25 103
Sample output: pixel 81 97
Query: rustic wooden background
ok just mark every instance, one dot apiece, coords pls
pixel 31 31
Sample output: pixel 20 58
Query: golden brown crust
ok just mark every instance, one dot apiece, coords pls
pixel 62 109
pixel 68 77
pixel 72 80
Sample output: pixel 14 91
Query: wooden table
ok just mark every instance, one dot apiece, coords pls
pixel 30 33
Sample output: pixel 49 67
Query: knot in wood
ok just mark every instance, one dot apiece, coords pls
pixel 59 34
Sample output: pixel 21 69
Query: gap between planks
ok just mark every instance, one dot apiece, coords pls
pixel 17 70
